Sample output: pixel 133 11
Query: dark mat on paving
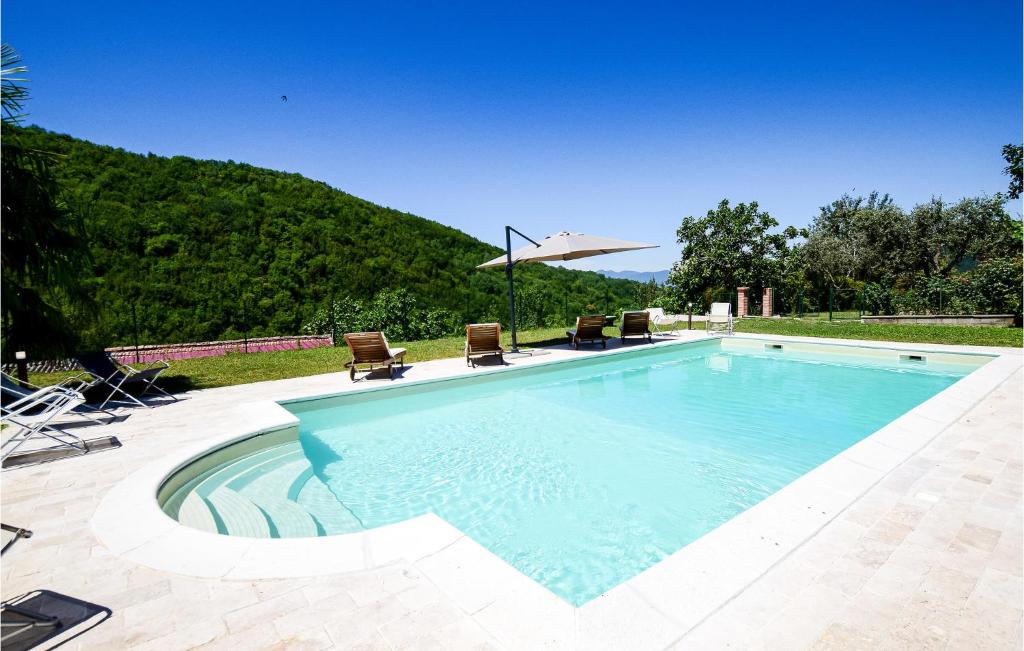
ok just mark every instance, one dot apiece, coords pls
pixel 42 615
pixel 35 457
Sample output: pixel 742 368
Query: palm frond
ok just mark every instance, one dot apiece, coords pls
pixel 13 92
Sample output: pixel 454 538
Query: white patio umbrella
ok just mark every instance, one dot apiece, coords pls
pixel 560 246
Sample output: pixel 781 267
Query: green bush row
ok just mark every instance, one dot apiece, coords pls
pixel 395 312
pixel 993 287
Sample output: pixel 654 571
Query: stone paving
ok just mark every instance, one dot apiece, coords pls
pixel 928 558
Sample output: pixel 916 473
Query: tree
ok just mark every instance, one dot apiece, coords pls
pixel 856 237
pixel 646 294
pixel 916 262
pixel 44 247
pixel 944 236
pixel 1013 155
pixel 729 246
pixel 865 240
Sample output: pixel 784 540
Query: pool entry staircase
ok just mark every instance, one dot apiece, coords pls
pixel 273 493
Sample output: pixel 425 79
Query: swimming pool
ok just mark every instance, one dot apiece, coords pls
pixel 579 474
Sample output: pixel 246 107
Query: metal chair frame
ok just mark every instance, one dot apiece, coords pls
pixel 128 375
pixel 50 402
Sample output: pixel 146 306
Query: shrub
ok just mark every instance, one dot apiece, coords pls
pixel 437 323
pixel 998 284
pixel 992 287
pixel 392 311
pixel 530 309
pixel 878 298
pixel 668 303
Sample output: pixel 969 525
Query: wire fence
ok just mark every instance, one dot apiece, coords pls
pixel 148 353
pixel 828 303
pixel 798 304
pixel 847 304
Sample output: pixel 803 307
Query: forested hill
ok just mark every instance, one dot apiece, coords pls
pixel 208 249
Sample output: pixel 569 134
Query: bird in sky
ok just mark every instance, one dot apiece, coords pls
pixel 284 98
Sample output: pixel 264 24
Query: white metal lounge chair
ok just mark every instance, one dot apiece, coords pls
pixel 660 320
pixel 31 417
pixel 12 389
pixel 719 318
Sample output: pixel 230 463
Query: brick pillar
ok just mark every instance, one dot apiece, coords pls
pixel 766 302
pixel 741 301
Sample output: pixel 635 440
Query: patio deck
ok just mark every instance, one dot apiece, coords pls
pixel 928 557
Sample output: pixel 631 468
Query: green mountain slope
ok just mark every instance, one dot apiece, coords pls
pixel 207 249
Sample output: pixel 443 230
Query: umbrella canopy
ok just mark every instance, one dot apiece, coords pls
pixel 567 246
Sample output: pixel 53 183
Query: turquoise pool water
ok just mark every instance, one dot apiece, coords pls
pixel 580 475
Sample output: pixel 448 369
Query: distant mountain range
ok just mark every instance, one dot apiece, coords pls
pixel 641 276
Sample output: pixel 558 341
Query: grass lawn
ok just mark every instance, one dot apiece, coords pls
pixel 925 334
pixel 240 368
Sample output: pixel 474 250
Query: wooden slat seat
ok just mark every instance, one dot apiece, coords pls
pixel 371 348
pixel 635 324
pixel 589 329
pixel 483 339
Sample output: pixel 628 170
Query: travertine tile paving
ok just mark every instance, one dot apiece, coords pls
pixel 929 558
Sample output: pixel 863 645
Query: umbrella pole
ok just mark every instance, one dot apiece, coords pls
pixel 511 292
pixel 508 274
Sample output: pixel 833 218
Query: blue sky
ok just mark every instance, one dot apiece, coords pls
pixel 616 119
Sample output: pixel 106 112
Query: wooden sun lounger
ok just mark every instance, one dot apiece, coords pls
pixel 589 329
pixel 370 348
pixel 635 324
pixel 483 339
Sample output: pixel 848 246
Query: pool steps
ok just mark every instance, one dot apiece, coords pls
pixel 196 513
pixel 238 515
pixel 244 499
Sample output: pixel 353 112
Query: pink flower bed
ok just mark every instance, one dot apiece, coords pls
pixel 151 353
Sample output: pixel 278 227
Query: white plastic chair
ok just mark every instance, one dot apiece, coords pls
pixel 719 319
